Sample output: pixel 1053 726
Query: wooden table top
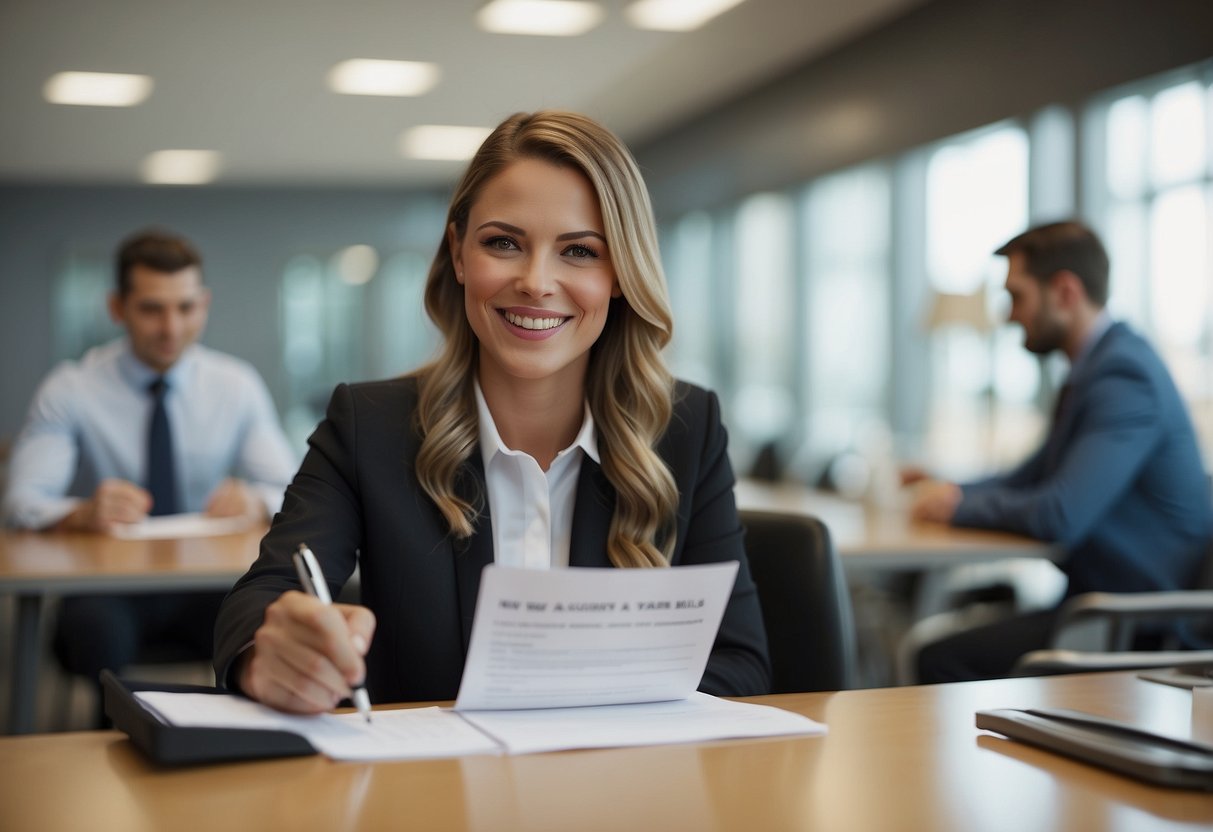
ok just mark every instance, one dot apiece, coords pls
pixel 64 561
pixel 894 759
pixel 885 537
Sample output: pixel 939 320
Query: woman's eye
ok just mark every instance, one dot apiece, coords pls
pixel 580 251
pixel 501 243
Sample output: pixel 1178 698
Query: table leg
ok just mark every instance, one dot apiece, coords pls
pixel 933 591
pixel 27 646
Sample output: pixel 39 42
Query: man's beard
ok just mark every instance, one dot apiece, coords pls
pixel 1047 333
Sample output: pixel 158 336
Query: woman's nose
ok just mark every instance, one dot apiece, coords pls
pixel 536 277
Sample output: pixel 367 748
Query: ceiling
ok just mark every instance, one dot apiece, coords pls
pixel 247 78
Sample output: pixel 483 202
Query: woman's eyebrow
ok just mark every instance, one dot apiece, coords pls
pixel 513 229
pixel 574 235
pixel 504 226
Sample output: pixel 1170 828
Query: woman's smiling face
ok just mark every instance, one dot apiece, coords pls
pixel 536 271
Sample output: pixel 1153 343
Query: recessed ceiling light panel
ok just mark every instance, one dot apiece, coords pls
pixel 676 15
pixel 365 76
pixel 180 167
pixel 442 142
pixel 97 89
pixel 539 17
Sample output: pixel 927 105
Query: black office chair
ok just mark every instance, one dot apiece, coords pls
pixel 1099 630
pixel 806 606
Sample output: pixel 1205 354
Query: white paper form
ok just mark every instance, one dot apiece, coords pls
pixel 576 637
pixel 175 526
pixel 696 719
pixel 409 733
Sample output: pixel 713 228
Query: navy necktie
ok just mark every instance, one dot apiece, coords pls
pixel 161 472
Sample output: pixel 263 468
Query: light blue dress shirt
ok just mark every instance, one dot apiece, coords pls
pixel 89 422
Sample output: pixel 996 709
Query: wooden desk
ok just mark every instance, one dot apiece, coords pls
pixel 895 759
pixel 886 538
pixel 34 565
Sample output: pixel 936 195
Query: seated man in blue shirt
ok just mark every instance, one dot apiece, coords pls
pixel 152 423
pixel 1118 483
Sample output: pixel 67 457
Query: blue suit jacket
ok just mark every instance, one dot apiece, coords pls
pixel 1119 482
pixel 357 500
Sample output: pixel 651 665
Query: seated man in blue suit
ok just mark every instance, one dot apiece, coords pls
pixel 1118 483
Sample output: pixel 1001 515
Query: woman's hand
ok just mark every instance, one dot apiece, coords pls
pixel 306 655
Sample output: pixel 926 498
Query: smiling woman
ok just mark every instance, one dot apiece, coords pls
pixel 581 188
pixel 531 279
pixel 547 433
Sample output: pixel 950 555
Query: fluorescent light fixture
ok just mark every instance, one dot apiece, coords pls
pixel 356 265
pixel 180 167
pixel 364 76
pixel 97 89
pixel 539 17
pixel 442 142
pixel 676 15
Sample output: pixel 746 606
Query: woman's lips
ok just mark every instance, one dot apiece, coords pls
pixel 533 324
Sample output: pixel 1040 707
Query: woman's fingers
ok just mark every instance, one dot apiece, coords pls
pixel 304 657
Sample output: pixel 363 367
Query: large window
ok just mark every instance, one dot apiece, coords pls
pixel 764 291
pixel 875 297
pixel 982 382
pixel 346 317
pixel 690 270
pixel 1150 168
pixel 845 239
pixel 80 318
pixel 409 338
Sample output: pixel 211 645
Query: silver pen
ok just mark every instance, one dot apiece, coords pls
pixel 313 583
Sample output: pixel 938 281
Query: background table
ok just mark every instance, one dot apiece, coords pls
pixel 894 759
pixel 902 572
pixel 883 536
pixel 35 565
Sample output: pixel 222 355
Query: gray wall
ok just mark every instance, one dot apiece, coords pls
pixel 246 237
pixel 945 67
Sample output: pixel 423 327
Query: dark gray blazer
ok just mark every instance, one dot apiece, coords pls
pixel 356 500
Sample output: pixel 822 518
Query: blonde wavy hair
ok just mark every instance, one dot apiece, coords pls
pixel 629 389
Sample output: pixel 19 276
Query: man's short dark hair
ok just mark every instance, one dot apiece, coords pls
pixel 1048 249
pixel 154 249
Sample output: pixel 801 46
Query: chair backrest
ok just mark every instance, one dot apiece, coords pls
pixel 1197 632
pixel 1204 579
pixel 806 606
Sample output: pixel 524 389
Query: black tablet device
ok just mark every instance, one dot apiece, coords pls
pixel 1139 754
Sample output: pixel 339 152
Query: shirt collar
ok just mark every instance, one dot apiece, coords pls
pixel 140 376
pixel 1099 328
pixel 490 439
